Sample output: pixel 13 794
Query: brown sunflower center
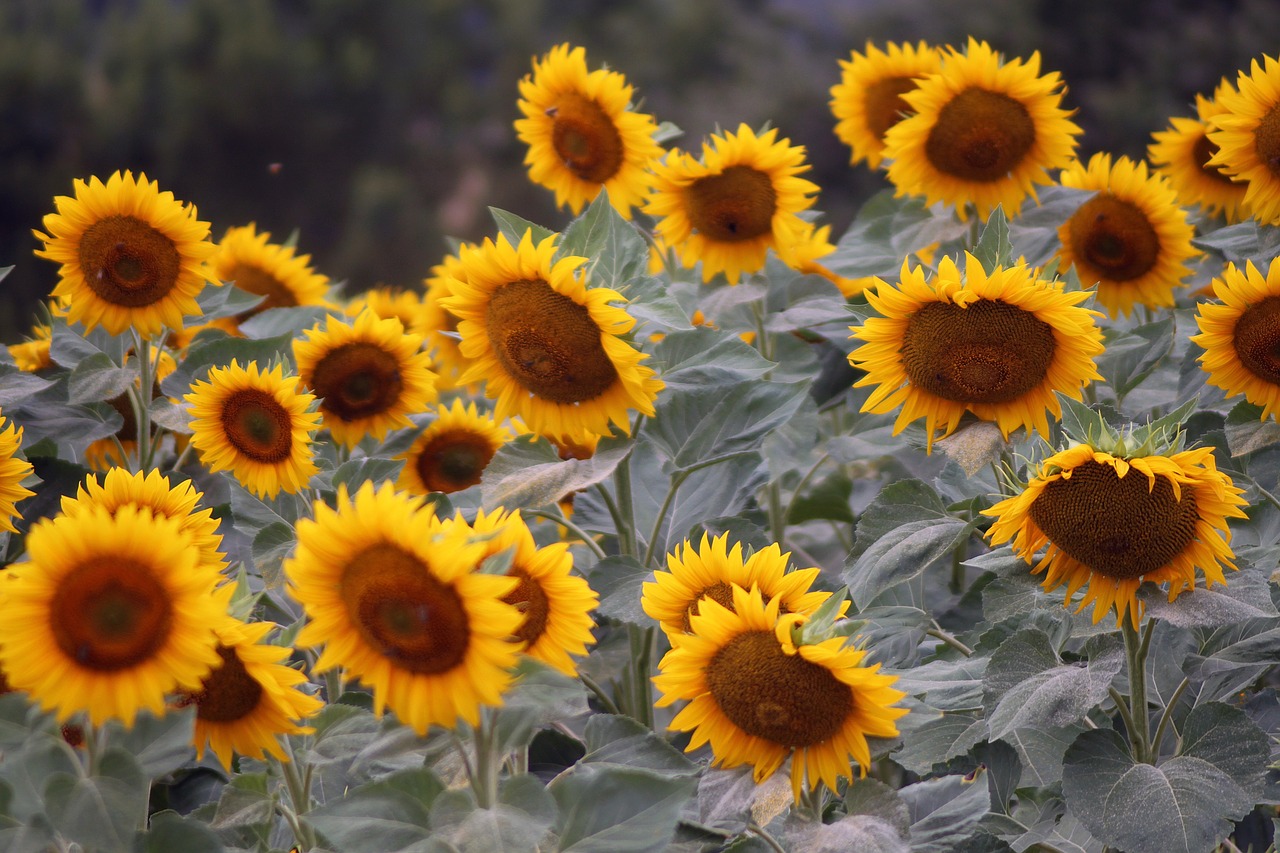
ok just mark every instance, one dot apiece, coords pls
pixel 734 206
pixel 453 461
pixel 1266 140
pixel 980 135
pixel 1115 525
pixel 884 103
pixel 110 614
pixel 255 424
pixel 357 380
pixel 403 611
pixel 1203 151
pixel 256 280
pixel 585 138
pixel 1114 238
pixel 127 262
pixel 531 600
pixel 776 696
pixel 719 592
pixel 230 693
pixel 548 342
pixel 990 352
pixel 1257 339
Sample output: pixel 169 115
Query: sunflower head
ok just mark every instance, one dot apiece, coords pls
pixel 1241 336
pixel 248 260
pixel 1182 153
pixel 868 100
pixel 452 453
pixel 387 302
pixel 441 326
pixel 13 470
pixel 1247 134
pixel 32 355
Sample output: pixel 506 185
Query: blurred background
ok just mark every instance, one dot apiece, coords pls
pixel 377 128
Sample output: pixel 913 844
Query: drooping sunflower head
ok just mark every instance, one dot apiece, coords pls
pixel 998 344
pixel 131 255
pixel 1183 152
pixel 32 355
pixel 395 599
pixel 729 208
pixel 256 424
pixel 271 270
pixel 1247 133
pixel 550 349
pixel 13 470
pixel 389 302
pixel 452 453
pixel 804 254
pixel 1132 237
pixel 111 613
pixel 369 375
pixel 868 99
pixel 758 699
pixel 441 324
pixel 582 134
pixel 983 133
pixel 1241 337
pixel 1113 522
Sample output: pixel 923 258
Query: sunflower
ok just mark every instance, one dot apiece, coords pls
pixel 120 488
pixel 396 601
pixel 1132 237
pixel 1113 523
pixel 996 344
pixel 803 254
pixel 251 698
pixel 246 259
pixel 131 255
pixel 111 612
pixel 1241 337
pixel 452 453
pixel 32 355
pixel 582 134
pixel 369 375
pixel 255 424
pixel 12 472
pixel 730 208
pixel 710 573
pixel 388 302
pixel 868 99
pixel 1182 154
pixel 556 605
pixel 550 350
pixel 984 132
pixel 442 326
pixel 758 699
pixel 1247 133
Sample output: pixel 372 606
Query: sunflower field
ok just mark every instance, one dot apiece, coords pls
pixel 687 525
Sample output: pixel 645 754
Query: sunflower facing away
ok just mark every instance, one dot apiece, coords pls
pixel 1113 523
pixel 255 424
pixel 110 613
pixel 1241 337
pixel 396 601
pixel 246 259
pixel 996 344
pixel 250 698
pixel 983 132
pixel 868 99
pixel 12 472
pixel 1182 154
pixel 1132 237
pixel 582 134
pixel 369 375
pixel 1247 133
pixel 131 255
pixel 452 453
pixel 758 699
pixel 550 350
pixel 727 210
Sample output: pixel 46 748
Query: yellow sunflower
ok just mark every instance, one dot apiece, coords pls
pixel 712 570
pixel 130 254
pixel 550 350
pixel 255 424
pixel 1113 523
pixel 246 259
pixel 803 255
pixel 32 355
pixel 1132 237
pixel 758 699
pixel 369 375
pixel 110 613
pixel 151 490
pixel 556 605
pixel 868 99
pixel 1241 337
pixel 12 472
pixel 387 302
pixel 442 326
pixel 984 132
pixel 582 134
pixel 1247 133
pixel 251 698
pixel 396 601
pixel 996 344
pixel 452 453
pixel 727 210
pixel 1182 154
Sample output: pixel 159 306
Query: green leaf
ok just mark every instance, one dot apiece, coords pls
pixel 1225 737
pixel 1248 431
pixel 885 231
pixel 17 385
pixel 386 816
pixel 245 802
pixel 945 811
pixel 1040 751
pixel 1082 423
pixel 541 696
pixel 65 423
pixel 948 685
pixel 367 469
pixel 204 355
pixel 1067 835
pixel 68 347
pixel 513 227
pixel 606 808
pixel 1236 243
pixel 692 428
pixel 1247 595
pixel 159 744
pixel 1131 356
pixel 828 499
pixel 99 812
pixel 619 581
pixel 271 545
pixel 171 415
pixel 612 739
pixel 728 799
pixel 700 357
pixel 994 248
pixel 940 740
pixel 532 474
pixel 226 301
pixel 1034 232
pixel 288 321
pixel 170 831
pixel 98 378
pixel 902 554
pixel 616 251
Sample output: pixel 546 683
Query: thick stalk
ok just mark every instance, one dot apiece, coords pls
pixel 626 508
pixel 1135 648
pixel 484 782
pixel 299 787
pixel 141 401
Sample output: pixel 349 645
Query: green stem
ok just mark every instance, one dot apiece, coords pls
pixel 763 834
pixel 484 782
pixel 1166 717
pixel 1135 648
pixel 141 401
pixel 182 458
pixel 640 688
pixel 563 521
pixel 299 787
pixel 762 339
pixel 1122 705
pixel 606 701
pixel 957 572
pixel 777 521
pixel 676 480
pixel 333 686
pixel 804 481
pixel 937 633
